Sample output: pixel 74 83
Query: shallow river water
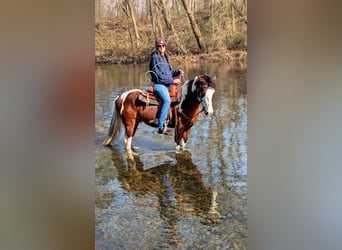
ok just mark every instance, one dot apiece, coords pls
pixel 167 200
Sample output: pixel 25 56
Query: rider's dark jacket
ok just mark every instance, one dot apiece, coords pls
pixel 162 72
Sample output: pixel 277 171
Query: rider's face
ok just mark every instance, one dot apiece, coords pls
pixel 161 48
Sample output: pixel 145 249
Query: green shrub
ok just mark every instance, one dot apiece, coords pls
pixel 237 43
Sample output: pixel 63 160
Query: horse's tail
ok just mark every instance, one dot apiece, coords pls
pixel 115 126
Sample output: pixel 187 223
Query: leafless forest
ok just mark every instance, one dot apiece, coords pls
pixel 125 30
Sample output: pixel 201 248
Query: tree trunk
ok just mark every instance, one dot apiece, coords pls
pixel 233 19
pixel 240 13
pixel 124 8
pixel 159 32
pixel 197 33
pixel 212 18
pixel 131 13
pixel 152 16
pixel 171 28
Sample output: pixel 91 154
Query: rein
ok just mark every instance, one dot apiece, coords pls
pixel 190 118
pixel 182 78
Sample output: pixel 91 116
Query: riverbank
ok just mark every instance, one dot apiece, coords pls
pixel 224 56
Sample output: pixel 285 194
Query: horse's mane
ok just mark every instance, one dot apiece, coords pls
pixel 209 80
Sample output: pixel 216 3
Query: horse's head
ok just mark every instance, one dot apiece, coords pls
pixel 205 89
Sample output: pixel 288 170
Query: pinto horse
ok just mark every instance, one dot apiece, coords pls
pixel 130 111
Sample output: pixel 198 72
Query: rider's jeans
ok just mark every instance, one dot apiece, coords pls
pixel 163 92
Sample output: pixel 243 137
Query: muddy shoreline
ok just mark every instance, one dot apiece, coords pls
pixel 225 56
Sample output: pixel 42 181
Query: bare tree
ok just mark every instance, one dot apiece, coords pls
pixel 158 19
pixel 156 23
pixel 197 33
pixel 152 17
pixel 130 10
pixel 171 28
pixel 133 24
pixel 241 12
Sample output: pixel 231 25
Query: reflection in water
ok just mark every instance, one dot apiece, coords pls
pixel 179 189
pixel 178 186
pixel 164 200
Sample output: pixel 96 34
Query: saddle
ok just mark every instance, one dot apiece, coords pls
pixel 149 97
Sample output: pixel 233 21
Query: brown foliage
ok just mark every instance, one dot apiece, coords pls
pixel 223 27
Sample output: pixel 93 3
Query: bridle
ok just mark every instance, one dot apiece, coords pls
pixel 199 96
pixel 199 93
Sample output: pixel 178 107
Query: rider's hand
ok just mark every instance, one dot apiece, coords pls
pixel 176 81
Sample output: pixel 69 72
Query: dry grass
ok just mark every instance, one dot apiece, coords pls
pixel 113 43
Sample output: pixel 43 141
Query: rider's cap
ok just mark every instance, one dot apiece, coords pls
pixel 160 41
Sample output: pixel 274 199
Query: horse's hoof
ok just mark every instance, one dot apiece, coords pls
pixel 130 157
pixel 130 154
pixel 182 143
pixel 178 148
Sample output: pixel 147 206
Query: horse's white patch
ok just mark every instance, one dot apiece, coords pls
pixel 193 87
pixel 184 93
pixel 124 96
pixel 207 102
pixel 182 143
pixel 128 142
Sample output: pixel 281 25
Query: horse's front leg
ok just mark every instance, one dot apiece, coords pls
pixel 180 142
pixel 182 139
pixel 185 137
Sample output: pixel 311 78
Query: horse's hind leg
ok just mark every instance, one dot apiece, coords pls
pixel 129 151
pixel 130 131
